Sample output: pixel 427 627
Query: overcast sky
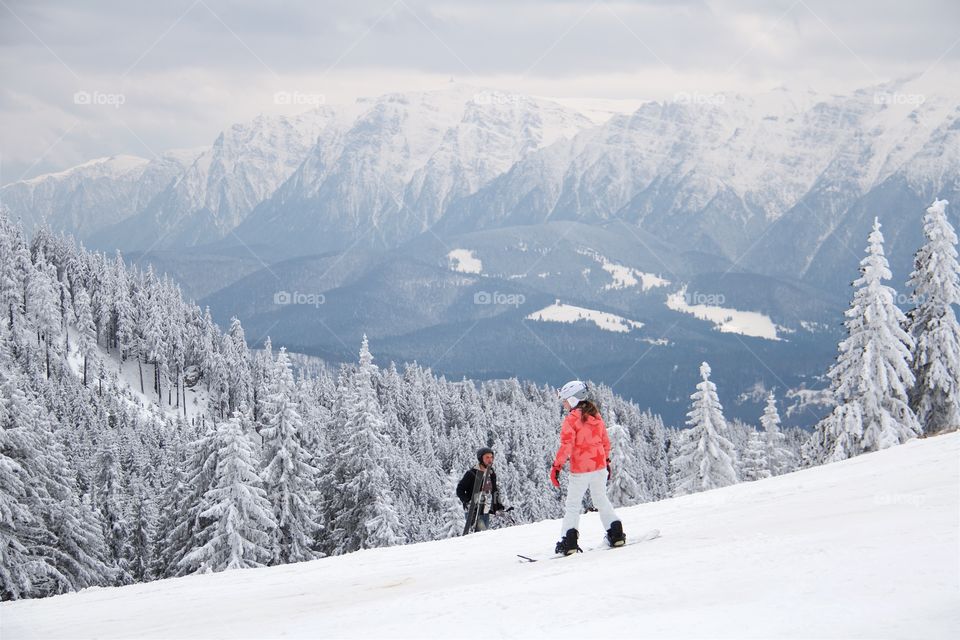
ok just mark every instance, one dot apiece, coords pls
pixel 162 75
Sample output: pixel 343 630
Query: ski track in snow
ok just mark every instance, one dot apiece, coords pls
pixel 863 548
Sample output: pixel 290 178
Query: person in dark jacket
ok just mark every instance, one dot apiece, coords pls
pixel 478 492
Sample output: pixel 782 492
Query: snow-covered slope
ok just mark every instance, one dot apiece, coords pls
pixel 96 194
pixel 392 173
pixel 124 380
pixel 243 167
pixel 866 548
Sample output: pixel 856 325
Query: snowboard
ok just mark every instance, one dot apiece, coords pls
pixel 649 535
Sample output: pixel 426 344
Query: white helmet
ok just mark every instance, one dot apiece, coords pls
pixel 573 392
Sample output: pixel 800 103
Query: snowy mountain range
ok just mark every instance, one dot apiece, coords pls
pixel 786 174
pixel 773 181
pixel 752 209
pixel 86 199
pixel 243 167
pixel 393 172
pixel 861 548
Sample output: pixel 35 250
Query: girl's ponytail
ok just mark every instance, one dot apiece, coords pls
pixel 587 408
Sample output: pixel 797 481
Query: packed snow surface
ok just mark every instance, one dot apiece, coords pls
pixel 865 548
pixel 747 323
pixel 464 261
pixel 560 312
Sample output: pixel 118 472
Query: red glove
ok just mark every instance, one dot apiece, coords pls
pixel 555 476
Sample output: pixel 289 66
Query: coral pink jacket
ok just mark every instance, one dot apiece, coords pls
pixel 584 442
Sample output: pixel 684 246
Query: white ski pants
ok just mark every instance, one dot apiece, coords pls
pixel 596 482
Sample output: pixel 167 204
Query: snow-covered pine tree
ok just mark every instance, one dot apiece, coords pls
pixel 754 465
pixel 738 433
pixel 418 489
pixel 80 555
pixel 165 544
pixel 86 331
pixel 236 357
pixel 413 414
pixel 235 507
pixel 650 437
pixel 152 345
pixel 779 458
pixel 706 459
pixel 871 377
pixel 182 527
pixel 622 488
pixel 17 565
pixel 935 397
pixel 359 501
pixel 43 304
pixel 13 257
pixel 20 529
pixel 62 537
pixel 109 500
pixel 142 532
pixel 373 497
pixel 123 314
pixel 453 515
pixel 288 477
pixel 101 304
pixel 174 340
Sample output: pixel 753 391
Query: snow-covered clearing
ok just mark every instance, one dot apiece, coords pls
pixel 863 548
pixel 624 276
pixel 747 323
pixel 464 261
pixel 560 312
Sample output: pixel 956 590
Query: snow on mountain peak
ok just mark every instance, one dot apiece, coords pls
pixel 404 158
pixel 714 169
pixel 94 195
pixel 115 167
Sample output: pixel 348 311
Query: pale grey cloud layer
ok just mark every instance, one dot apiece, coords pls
pixel 172 74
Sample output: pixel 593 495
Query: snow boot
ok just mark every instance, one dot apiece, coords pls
pixel 568 545
pixel 615 536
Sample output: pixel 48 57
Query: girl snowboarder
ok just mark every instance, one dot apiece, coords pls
pixel 584 441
